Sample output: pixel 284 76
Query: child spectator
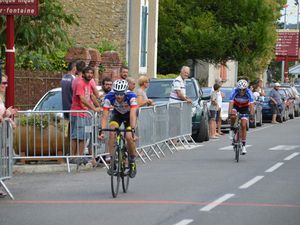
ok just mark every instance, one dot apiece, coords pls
pixel 213 108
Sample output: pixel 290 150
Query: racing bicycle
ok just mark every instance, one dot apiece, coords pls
pixel 119 165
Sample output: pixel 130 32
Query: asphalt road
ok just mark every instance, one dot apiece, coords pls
pixel 202 186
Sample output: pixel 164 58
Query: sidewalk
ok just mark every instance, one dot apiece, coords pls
pixel 49 168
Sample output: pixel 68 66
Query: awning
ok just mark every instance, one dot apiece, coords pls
pixel 295 69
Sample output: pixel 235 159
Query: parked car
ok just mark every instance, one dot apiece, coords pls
pixel 52 101
pixel 295 96
pixel 159 91
pixel 289 101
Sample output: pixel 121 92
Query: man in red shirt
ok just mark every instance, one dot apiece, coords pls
pixel 82 100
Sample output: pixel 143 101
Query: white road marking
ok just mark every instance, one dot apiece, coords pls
pixel 251 182
pixel 292 156
pixel 184 222
pixel 275 167
pixel 217 202
pixel 284 147
pixel 230 147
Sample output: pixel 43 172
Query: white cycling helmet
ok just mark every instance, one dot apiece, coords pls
pixel 120 85
pixel 242 84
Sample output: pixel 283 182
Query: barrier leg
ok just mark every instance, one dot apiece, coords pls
pixel 173 144
pixel 68 165
pixel 161 150
pixel 186 141
pixel 182 143
pixel 140 155
pixel 146 154
pixel 153 149
pixel 166 143
pixel 192 140
pixel 7 190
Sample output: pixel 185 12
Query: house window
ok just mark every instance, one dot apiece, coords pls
pixel 144 37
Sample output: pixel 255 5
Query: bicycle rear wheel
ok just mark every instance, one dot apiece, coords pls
pixel 115 175
pixel 124 174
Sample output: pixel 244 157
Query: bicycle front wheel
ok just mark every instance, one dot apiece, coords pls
pixel 237 148
pixel 124 173
pixel 115 174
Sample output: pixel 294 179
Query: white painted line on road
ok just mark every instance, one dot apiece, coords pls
pixel 251 182
pixel 184 222
pixel 259 129
pixel 284 147
pixel 292 156
pixel 217 202
pixel 275 167
pixel 230 147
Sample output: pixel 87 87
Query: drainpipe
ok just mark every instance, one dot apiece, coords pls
pixel 129 27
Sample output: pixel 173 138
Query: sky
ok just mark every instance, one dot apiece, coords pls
pixel 291 12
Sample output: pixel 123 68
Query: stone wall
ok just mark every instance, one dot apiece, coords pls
pixel 99 20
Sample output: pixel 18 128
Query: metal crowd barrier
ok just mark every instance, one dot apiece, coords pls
pixel 159 126
pixel 45 135
pixel 6 152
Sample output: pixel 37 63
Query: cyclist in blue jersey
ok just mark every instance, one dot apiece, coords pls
pixel 124 112
pixel 242 101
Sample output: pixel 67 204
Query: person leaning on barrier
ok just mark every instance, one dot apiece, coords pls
pixel 178 92
pixel 123 72
pixel 124 112
pixel 5 112
pixel 142 98
pixel 82 100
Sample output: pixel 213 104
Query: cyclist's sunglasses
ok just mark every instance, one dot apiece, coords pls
pixel 119 93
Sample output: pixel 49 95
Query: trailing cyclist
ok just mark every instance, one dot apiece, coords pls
pixel 241 101
pixel 124 111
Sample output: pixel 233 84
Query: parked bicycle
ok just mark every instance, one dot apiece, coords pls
pixel 236 139
pixel 119 165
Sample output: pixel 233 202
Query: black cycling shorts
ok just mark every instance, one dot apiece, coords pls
pixel 119 118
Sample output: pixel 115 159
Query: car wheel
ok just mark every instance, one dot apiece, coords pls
pixel 292 116
pixel 297 113
pixel 259 124
pixel 200 136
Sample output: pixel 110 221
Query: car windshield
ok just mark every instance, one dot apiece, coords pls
pixel 52 101
pixel 162 89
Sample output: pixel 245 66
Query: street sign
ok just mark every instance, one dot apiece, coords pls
pixel 19 7
pixel 287 43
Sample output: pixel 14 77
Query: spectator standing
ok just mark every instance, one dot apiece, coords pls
pixel 106 88
pixel 66 88
pixel 260 88
pixel 5 113
pixel 178 92
pixel 275 102
pixel 82 100
pixel 131 83
pixel 220 96
pixel 124 72
pixel 213 109
pixel 297 80
pixel 142 98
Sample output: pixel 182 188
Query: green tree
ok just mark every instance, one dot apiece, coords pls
pixel 217 31
pixel 44 32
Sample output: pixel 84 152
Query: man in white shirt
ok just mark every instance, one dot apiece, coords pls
pixel 178 92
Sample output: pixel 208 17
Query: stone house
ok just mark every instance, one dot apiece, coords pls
pixel 131 25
